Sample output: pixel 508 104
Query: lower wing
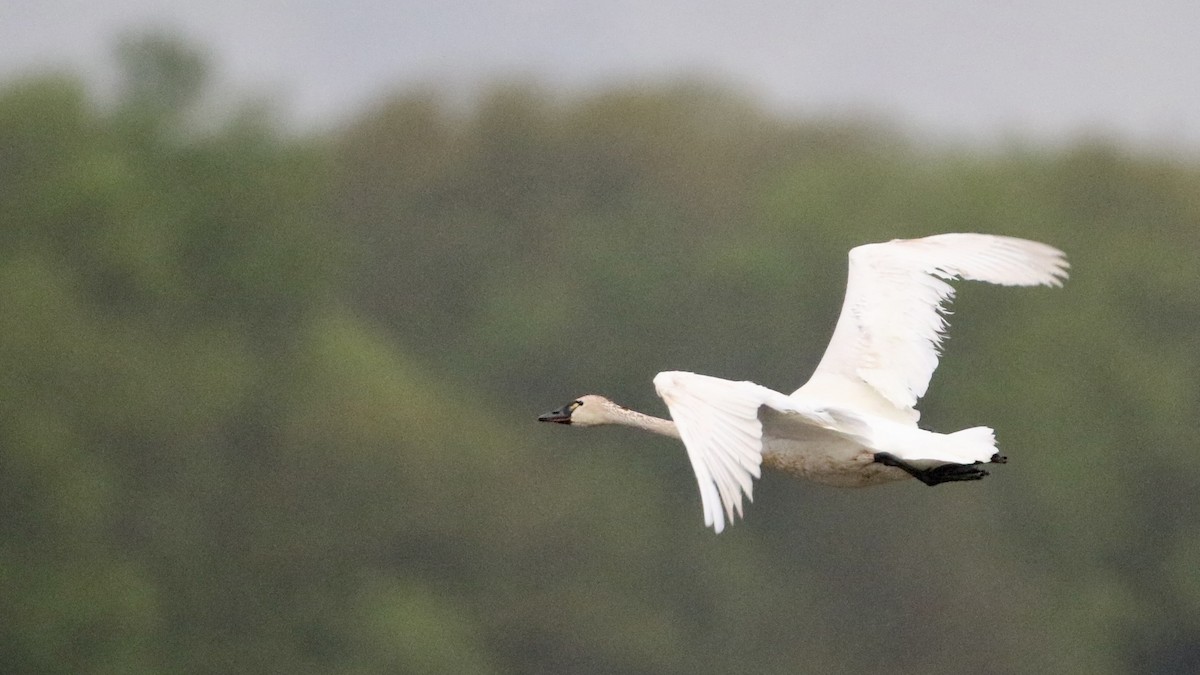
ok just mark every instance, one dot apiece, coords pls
pixel 718 422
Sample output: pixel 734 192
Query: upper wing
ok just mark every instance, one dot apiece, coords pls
pixel 891 324
pixel 718 423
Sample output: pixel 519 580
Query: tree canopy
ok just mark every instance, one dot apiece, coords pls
pixel 268 396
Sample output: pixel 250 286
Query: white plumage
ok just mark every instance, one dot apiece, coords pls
pixel 892 319
pixel 854 423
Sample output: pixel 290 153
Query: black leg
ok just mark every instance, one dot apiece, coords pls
pixel 946 473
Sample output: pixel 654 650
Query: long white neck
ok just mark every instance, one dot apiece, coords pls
pixel 632 418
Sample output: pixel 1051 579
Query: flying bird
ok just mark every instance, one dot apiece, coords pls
pixel 854 423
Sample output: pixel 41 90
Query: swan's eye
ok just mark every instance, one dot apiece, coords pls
pixel 574 405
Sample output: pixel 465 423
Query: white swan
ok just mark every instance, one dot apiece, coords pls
pixel 854 423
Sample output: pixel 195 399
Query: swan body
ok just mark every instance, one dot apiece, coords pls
pixel 854 423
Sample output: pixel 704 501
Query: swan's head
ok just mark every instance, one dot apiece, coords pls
pixel 585 411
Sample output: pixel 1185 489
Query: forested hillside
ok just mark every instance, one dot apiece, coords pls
pixel 267 397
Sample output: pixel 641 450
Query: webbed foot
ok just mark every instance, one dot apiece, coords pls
pixel 946 473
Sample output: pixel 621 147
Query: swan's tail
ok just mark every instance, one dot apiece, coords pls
pixel 928 448
pixel 977 444
pixel 919 446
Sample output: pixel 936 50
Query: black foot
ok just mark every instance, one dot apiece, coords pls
pixel 946 473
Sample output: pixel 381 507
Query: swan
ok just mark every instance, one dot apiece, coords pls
pixel 854 423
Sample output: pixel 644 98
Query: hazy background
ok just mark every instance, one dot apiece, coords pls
pixel 285 287
pixel 972 70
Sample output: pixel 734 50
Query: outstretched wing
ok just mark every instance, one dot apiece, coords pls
pixel 718 423
pixel 891 326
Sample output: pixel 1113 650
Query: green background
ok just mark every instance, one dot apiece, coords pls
pixel 267 395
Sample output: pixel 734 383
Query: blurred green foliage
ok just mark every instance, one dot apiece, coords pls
pixel 267 398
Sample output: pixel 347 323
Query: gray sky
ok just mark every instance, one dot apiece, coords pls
pixel 1042 68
